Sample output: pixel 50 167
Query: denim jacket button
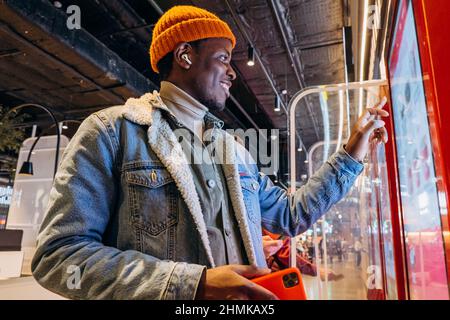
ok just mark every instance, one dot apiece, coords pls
pixel 211 183
pixel 154 176
pixel 254 185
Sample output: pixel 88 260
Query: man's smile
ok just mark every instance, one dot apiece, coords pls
pixel 226 85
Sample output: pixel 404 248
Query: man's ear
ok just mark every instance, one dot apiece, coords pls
pixel 186 50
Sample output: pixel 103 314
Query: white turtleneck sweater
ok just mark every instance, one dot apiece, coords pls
pixel 189 111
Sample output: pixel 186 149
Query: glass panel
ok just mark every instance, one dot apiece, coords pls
pixel 346 243
pixel 386 226
pixel 425 253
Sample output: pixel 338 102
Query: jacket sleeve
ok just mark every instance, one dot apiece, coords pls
pixel 293 214
pixel 71 259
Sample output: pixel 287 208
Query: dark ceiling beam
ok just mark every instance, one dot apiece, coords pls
pixel 145 26
pixel 23 41
pixel 317 45
pixel 53 21
pixel 9 53
pixel 129 19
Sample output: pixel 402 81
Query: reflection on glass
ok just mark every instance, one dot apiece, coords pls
pixel 347 238
pixel 386 226
pixel 423 231
pixel 5 202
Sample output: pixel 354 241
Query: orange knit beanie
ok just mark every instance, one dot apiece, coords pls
pixel 185 24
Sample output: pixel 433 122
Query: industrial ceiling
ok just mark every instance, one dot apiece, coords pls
pixel 298 43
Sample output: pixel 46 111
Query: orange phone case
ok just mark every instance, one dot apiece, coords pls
pixel 286 284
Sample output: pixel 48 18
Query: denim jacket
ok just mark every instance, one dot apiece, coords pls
pixel 124 219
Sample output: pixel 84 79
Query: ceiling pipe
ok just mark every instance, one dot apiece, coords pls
pixel 287 47
pixel 156 7
pixel 316 45
pixel 258 58
pixel 294 63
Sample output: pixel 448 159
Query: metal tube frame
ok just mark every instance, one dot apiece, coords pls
pixel 302 94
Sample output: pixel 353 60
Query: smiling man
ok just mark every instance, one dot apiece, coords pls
pixel 130 218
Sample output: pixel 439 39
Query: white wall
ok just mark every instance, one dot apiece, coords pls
pixel 30 193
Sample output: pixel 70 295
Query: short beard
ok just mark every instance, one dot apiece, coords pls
pixel 213 106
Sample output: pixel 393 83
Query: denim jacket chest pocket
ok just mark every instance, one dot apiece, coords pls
pixel 250 189
pixel 152 199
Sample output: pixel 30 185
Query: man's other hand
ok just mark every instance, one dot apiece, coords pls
pixel 271 246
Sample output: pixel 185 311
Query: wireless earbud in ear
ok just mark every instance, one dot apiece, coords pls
pixel 185 57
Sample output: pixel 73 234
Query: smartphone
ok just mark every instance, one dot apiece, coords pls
pixel 286 284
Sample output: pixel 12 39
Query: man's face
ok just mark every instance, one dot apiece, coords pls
pixel 211 73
